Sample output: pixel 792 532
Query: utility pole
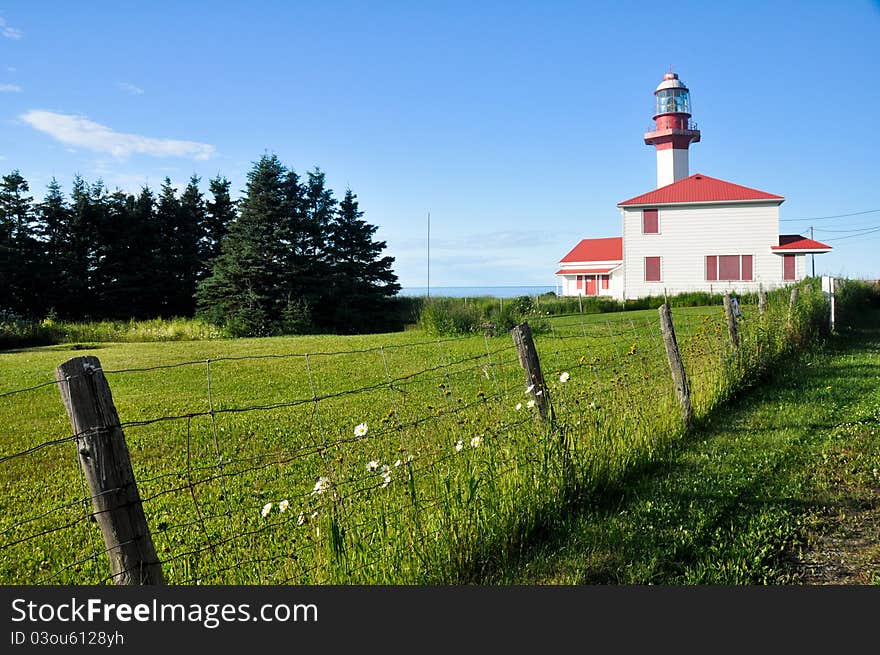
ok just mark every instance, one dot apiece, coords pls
pixel 429 254
pixel 812 256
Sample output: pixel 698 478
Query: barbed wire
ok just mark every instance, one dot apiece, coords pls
pixel 617 383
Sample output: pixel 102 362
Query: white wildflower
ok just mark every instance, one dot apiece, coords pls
pixel 372 465
pixel 530 388
pixel 360 430
pixel 459 445
pixel 476 441
pixel 564 377
pixel 386 475
pixel 531 403
pixel 518 406
pixel 266 509
pixel 321 486
pixel 397 463
pixel 314 514
pixel 301 518
pixel 539 392
pixel 409 458
pixel 283 505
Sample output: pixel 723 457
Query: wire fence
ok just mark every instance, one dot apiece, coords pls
pixel 403 462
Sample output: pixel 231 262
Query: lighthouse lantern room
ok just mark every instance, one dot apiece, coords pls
pixel 673 130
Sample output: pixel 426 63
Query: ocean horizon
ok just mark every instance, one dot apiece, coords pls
pixel 473 292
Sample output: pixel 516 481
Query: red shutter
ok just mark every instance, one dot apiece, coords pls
pixel 652 269
pixel 650 221
pixel 788 267
pixel 605 279
pixel 728 267
pixel 580 281
pixel 746 267
pixel 711 267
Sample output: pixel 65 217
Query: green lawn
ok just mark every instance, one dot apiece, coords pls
pixel 446 512
pixel 736 501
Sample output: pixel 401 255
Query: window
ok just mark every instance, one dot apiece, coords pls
pixel 652 269
pixel 711 267
pixel 788 267
pixel 746 268
pixel 729 268
pixel 650 221
pixel 580 281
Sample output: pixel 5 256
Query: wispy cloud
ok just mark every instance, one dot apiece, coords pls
pixel 10 88
pixel 8 31
pixel 81 132
pixel 131 89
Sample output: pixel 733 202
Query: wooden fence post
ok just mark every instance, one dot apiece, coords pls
pixel 528 359
pixel 676 367
pixel 792 301
pixel 103 456
pixel 762 301
pixel 732 331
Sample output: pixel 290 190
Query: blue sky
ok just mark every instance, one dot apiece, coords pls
pixel 517 125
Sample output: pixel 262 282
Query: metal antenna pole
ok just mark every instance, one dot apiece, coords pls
pixel 812 255
pixel 429 254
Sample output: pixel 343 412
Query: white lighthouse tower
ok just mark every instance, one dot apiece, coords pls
pixel 674 132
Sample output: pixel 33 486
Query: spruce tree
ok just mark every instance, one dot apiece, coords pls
pixel 246 287
pixel 53 230
pixel 187 246
pixel 19 252
pixel 219 214
pixel 362 280
pixel 167 217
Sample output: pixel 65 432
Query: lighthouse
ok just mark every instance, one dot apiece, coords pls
pixel 673 130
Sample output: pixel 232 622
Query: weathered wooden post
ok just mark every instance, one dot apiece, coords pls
pixel 528 359
pixel 103 456
pixel 676 367
pixel 732 331
pixel 792 301
pixel 762 301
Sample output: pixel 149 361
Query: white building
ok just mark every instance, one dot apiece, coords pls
pixel 692 233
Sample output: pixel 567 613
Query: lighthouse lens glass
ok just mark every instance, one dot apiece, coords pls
pixel 673 100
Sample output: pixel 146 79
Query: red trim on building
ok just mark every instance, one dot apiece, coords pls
pixel 698 188
pixel 596 250
pixel 589 271
pixel 797 242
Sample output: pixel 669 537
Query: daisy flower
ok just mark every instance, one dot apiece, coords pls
pixel 283 505
pixel 531 403
pixel 321 486
pixel 518 406
pixel 266 509
pixel 360 429
pixel 564 377
pixel 372 465
pixel 459 445
pixel 476 441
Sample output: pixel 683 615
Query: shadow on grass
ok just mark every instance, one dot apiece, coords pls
pixel 722 505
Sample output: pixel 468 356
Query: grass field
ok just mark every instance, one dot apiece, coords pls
pixel 224 434
pixel 748 497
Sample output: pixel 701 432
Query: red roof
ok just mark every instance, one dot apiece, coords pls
pixel 596 250
pixel 699 188
pixel 797 242
pixel 591 271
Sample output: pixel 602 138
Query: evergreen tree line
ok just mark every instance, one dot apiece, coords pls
pixel 287 257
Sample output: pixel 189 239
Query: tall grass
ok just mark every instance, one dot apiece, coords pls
pixel 472 473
